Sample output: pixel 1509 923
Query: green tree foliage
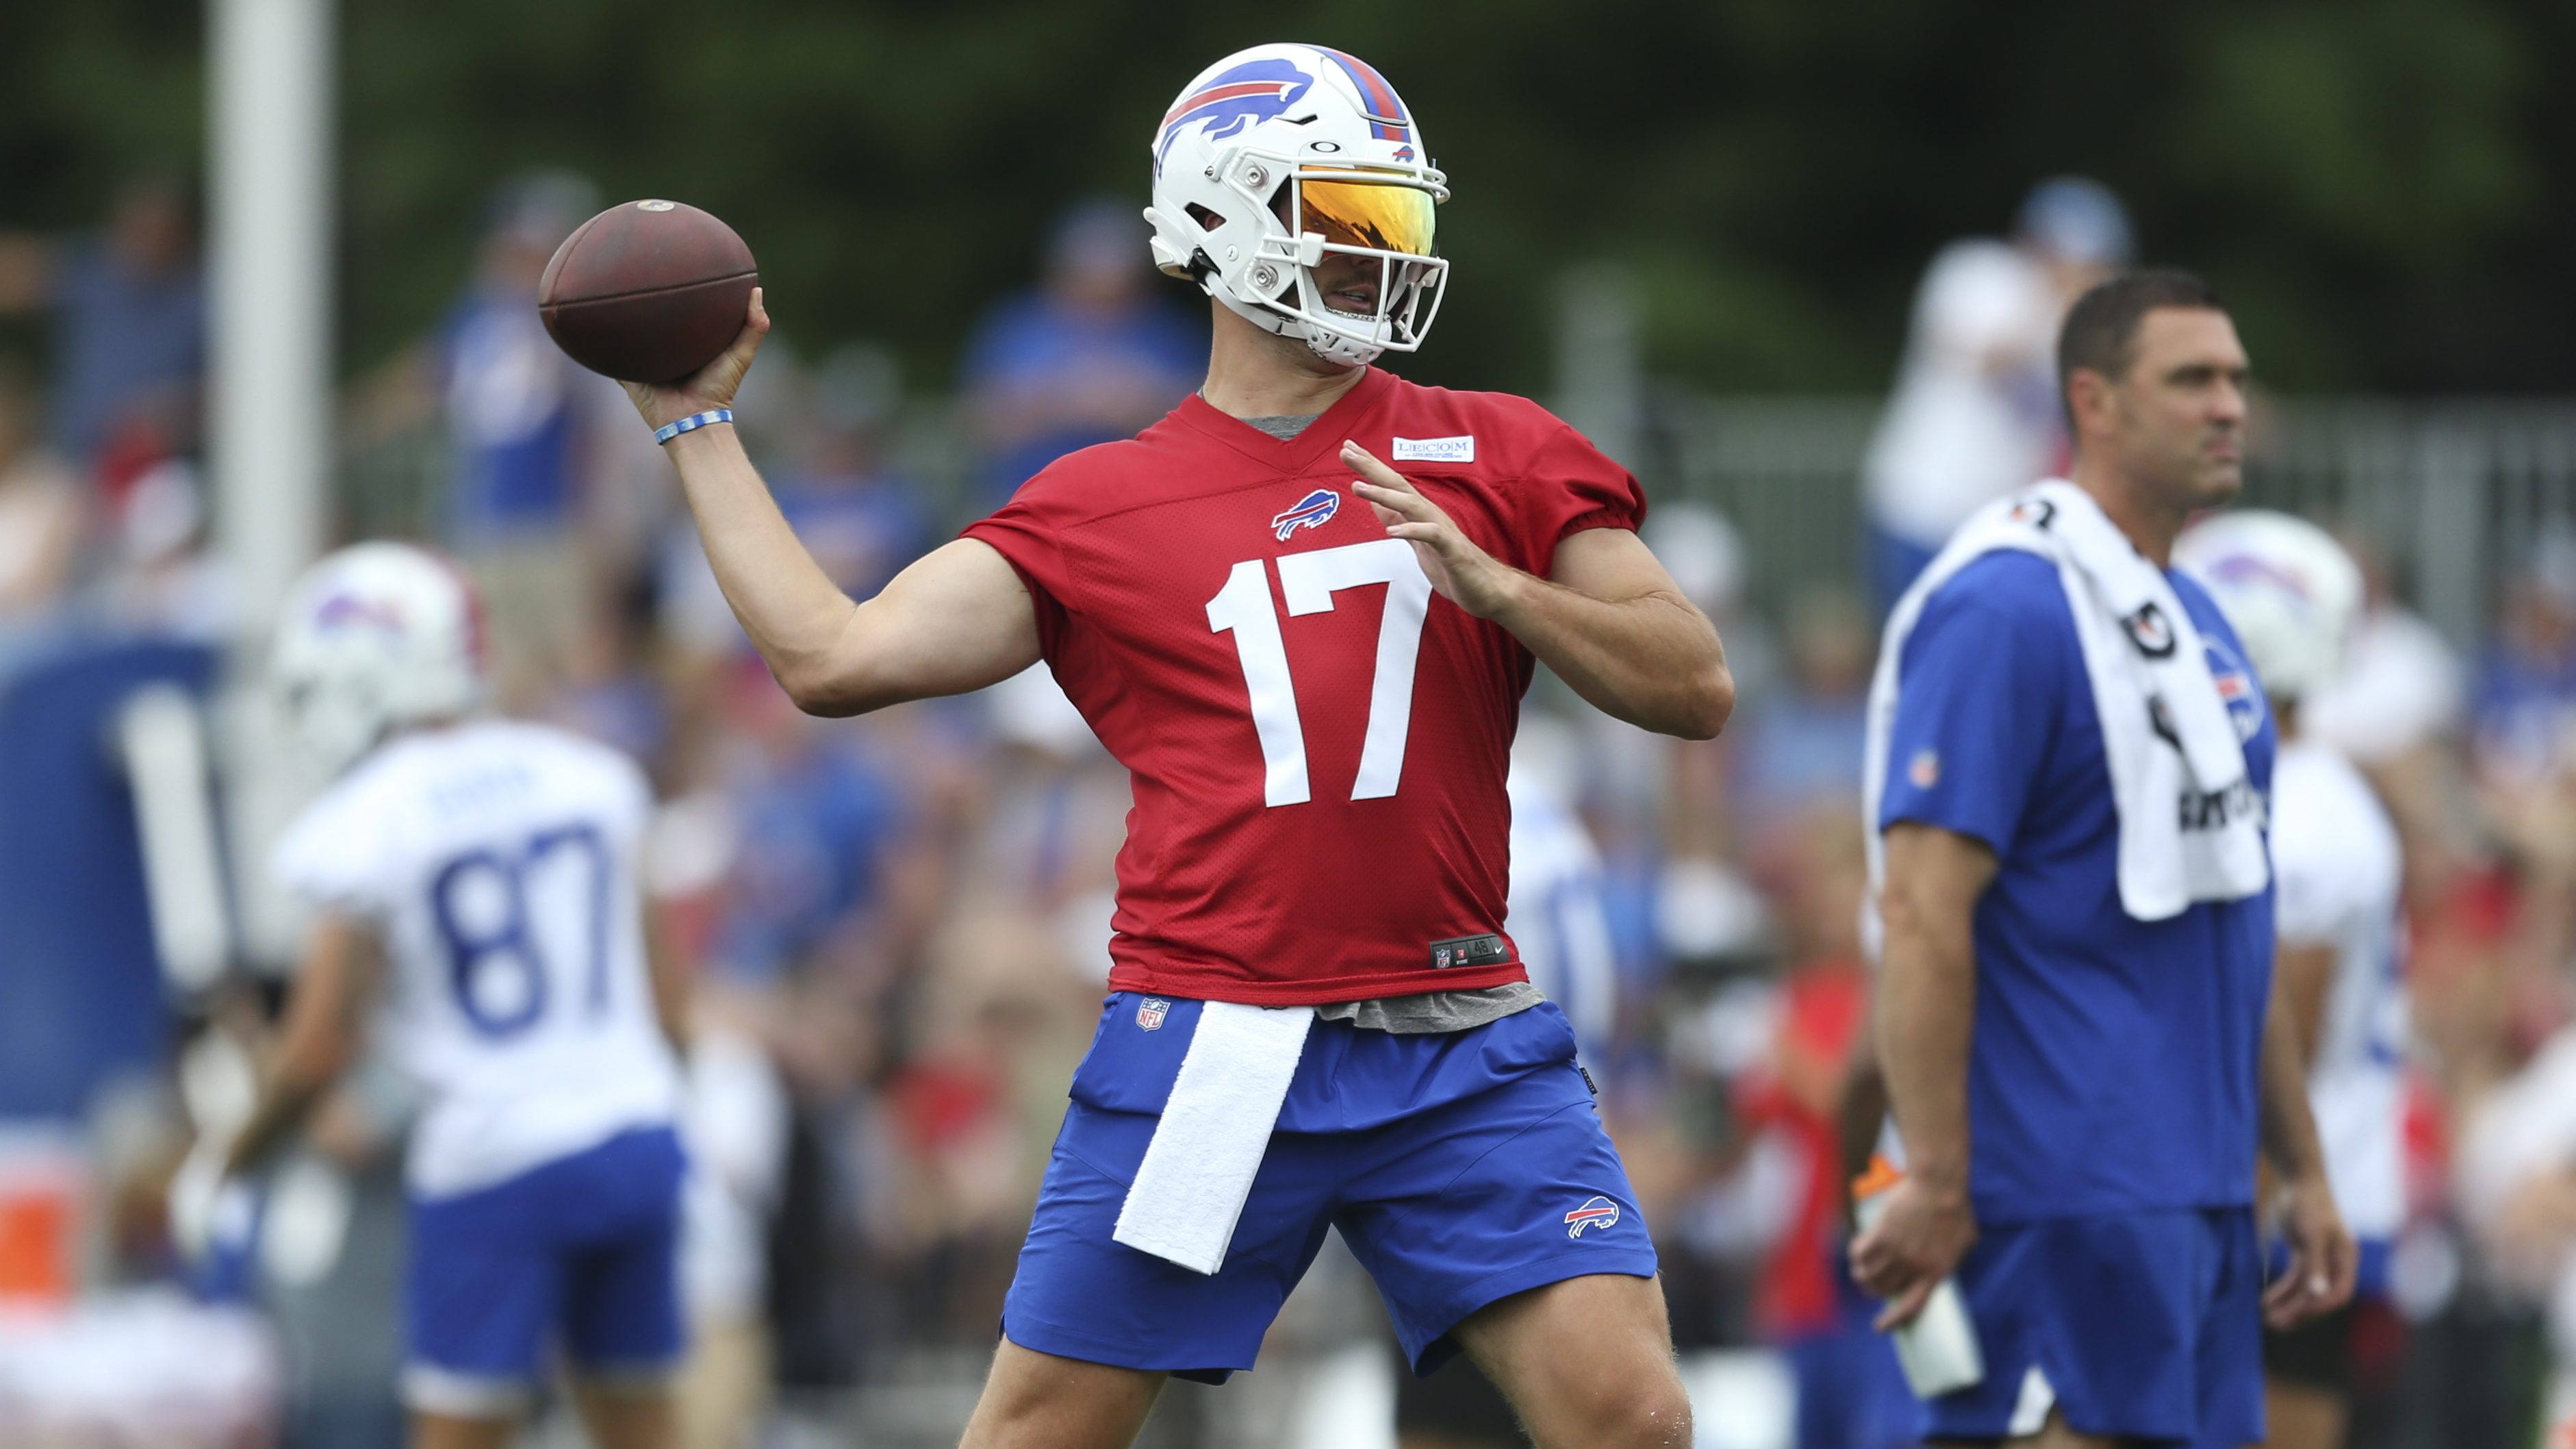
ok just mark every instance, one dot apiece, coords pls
pixel 2385 188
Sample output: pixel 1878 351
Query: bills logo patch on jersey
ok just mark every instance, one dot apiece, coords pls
pixel 2236 690
pixel 1598 1212
pixel 1312 511
pixel 1151 1011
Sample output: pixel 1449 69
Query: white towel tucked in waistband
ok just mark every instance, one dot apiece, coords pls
pixel 1190 1189
pixel 2191 825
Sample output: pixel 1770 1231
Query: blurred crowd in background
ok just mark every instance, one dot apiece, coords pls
pixel 897 924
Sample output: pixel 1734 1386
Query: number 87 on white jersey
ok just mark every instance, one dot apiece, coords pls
pixel 497 864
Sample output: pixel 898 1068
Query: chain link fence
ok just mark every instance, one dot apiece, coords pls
pixel 2451 494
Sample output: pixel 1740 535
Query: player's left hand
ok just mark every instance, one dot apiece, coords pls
pixel 1463 574
pixel 2323 1260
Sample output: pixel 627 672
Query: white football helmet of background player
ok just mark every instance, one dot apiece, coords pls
pixel 377 636
pixel 2291 592
pixel 1320 134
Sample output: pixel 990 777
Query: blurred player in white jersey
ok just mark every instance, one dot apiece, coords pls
pixel 2294 597
pixel 473 886
pixel 1554 911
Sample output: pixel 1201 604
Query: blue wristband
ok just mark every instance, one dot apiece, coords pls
pixel 691 424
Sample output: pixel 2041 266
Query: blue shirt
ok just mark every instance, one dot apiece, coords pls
pixel 510 410
pixel 2114 1065
pixel 1799 749
pixel 2522 706
pixel 815 831
pixel 1032 342
pixel 126 338
pixel 862 530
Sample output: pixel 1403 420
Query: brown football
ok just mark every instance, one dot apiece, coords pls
pixel 650 291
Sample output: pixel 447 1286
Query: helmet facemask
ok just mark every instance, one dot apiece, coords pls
pixel 1311 222
pixel 335 719
pixel 1345 224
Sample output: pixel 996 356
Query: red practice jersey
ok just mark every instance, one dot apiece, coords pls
pixel 1318 743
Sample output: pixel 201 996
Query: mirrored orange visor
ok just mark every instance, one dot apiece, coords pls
pixel 1393 218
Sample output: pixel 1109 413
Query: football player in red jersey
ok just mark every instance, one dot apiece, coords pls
pixel 1301 610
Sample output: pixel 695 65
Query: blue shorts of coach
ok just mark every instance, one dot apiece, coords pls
pixel 2144 1326
pixel 1460 1167
pixel 581 1253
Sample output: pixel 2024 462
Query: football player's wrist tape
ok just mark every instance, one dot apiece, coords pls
pixel 691 424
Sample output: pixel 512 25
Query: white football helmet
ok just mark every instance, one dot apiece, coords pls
pixel 1279 156
pixel 2291 592
pixel 377 636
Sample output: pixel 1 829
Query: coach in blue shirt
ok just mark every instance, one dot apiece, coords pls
pixel 2080 1092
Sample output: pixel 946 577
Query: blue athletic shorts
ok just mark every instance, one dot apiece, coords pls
pixel 2145 1326
pixel 1851 1392
pixel 1460 1167
pixel 583 1252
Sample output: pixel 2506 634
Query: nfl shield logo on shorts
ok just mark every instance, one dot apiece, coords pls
pixel 1151 1011
pixel 1598 1212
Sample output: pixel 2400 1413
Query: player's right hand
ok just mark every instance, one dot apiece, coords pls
pixel 711 386
pixel 1917 1240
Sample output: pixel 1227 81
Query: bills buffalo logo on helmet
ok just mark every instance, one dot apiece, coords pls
pixel 2239 568
pixel 2150 630
pixel 1151 1011
pixel 1598 1212
pixel 1231 100
pixel 341 610
pixel 1312 511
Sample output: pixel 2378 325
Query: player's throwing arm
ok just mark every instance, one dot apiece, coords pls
pixel 955 621
pixel 1609 619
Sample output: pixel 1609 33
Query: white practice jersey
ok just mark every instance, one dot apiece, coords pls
pixel 498 862
pixel 2336 867
pixel 1555 913
pixel 1958 433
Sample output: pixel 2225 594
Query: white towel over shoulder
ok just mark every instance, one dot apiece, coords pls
pixel 2191 823
pixel 1190 1189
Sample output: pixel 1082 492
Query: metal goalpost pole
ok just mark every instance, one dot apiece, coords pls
pixel 270 131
